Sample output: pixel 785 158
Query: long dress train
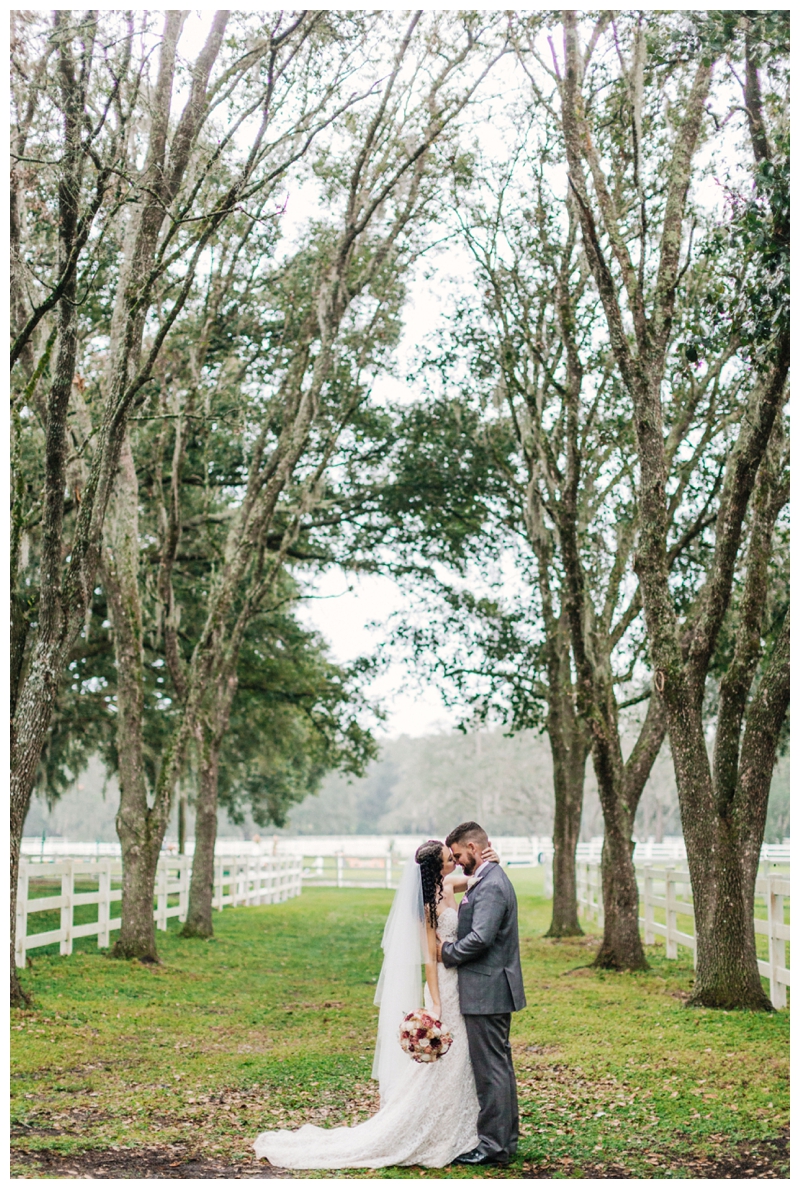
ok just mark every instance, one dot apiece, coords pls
pixel 432 1115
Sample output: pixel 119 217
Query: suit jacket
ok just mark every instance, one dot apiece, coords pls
pixel 486 951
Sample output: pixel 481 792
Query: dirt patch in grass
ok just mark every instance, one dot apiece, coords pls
pixel 154 1162
pixel 768 1159
pixel 760 1159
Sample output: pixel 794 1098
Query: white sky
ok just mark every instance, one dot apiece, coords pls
pixel 343 617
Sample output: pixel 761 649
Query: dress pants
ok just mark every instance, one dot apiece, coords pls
pixel 490 1054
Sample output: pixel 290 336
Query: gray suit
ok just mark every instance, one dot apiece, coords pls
pixel 489 989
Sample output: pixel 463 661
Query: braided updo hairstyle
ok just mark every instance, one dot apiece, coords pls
pixel 429 857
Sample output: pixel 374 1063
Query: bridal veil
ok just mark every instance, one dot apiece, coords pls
pixel 399 990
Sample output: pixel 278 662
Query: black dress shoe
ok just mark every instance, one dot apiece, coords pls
pixel 479 1156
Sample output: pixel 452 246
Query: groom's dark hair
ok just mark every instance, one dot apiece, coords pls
pixel 467 832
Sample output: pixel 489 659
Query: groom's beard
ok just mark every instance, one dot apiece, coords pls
pixel 469 866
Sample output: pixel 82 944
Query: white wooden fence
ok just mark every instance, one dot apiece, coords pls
pixel 352 871
pixel 674 899
pixel 248 879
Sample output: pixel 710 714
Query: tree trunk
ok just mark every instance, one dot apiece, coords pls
pixel 621 786
pixel 140 854
pixel 723 845
pixel 140 828
pixel 727 973
pixel 569 749
pixel 566 830
pixel 19 996
pixel 621 947
pixel 198 918
pixel 214 726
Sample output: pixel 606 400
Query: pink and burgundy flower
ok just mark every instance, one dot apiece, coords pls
pixel 424 1037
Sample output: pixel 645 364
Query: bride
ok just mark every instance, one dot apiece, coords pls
pixel 429 1111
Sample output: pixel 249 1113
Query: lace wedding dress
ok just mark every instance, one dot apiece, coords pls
pixel 432 1115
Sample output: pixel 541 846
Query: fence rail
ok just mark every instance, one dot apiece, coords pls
pixel 248 879
pixel 674 899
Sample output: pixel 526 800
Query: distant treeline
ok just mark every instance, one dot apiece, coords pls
pixel 425 785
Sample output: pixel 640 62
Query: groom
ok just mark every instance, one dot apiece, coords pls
pixel 489 989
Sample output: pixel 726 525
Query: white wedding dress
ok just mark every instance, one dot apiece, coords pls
pixel 431 1117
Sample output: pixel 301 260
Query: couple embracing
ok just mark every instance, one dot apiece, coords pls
pixel 463 1107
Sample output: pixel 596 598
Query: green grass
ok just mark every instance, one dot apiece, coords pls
pixel 271 1024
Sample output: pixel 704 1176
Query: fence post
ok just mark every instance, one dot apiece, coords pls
pixel 339 871
pixel 22 912
pixel 649 935
pixel 548 879
pixel 183 890
pixel 67 892
pixel 694 923
pixel 218 884
pixel 103 904
pixel 672 916
pixel 777 946
pixel 597 894
pixel 161 912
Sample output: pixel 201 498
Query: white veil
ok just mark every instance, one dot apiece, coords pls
pixel 399 989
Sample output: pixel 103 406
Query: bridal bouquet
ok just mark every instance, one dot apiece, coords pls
pixel 424 1037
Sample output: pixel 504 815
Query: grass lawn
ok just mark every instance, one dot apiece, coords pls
pixel 120 1068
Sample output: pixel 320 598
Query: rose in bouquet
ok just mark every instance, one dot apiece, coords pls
pixel 424 1037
